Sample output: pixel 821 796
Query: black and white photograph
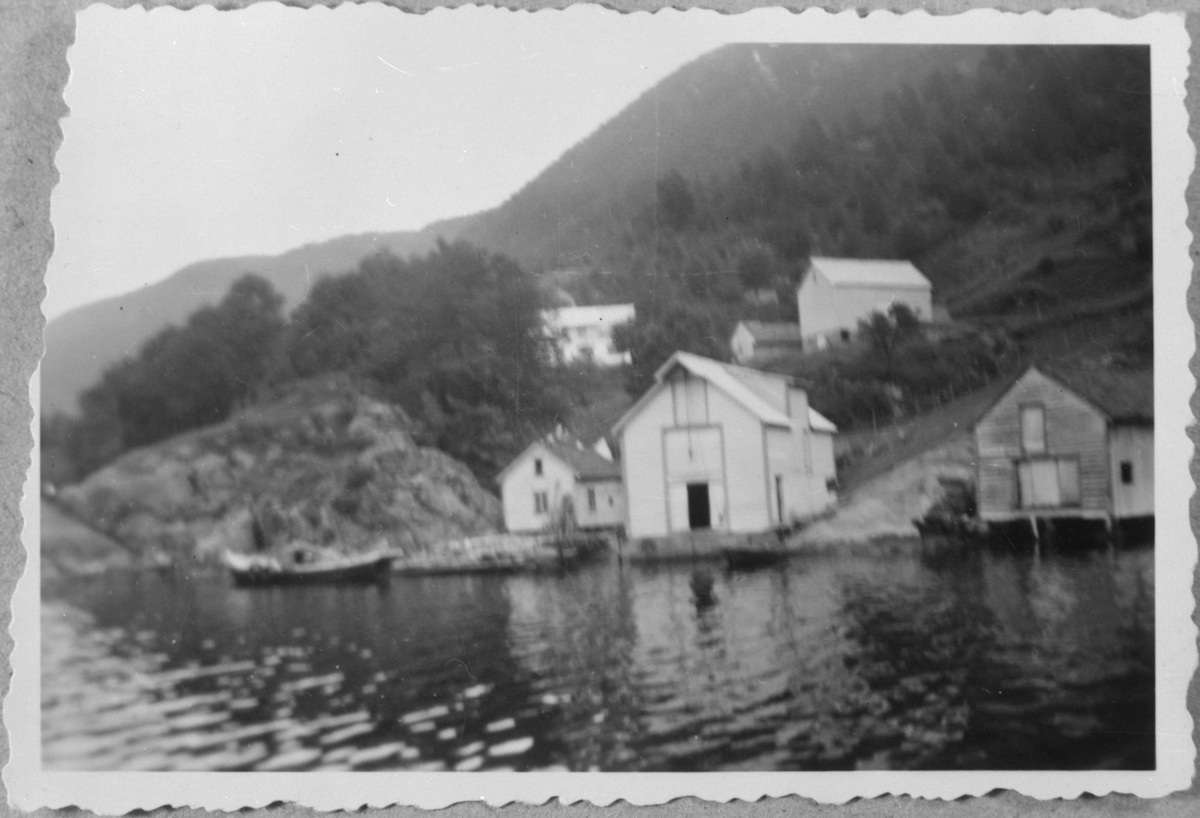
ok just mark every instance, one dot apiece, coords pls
pixel 584 392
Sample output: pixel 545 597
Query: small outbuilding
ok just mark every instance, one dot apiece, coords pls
pixel 763 339
pixel 1068 442
pixel 836 293
pixel 559 476
pixel 713 446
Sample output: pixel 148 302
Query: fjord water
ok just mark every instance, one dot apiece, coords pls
pixel 964 658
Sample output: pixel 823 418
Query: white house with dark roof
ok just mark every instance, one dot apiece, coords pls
pixel 556 475
pixel 763 339
pixel 836 293
pixel 712 446
pixel 586 333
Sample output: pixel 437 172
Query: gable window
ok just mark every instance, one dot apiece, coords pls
pixel 1033 429
pixel 537 467
pixel 1127 472
pixel 591 499
pixel 541 503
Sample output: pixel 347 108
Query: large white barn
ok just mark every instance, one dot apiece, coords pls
pixel 722 447
pixel 836 293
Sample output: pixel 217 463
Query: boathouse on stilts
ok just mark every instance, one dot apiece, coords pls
pixel 1069 444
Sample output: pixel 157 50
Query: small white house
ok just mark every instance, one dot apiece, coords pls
pixel 723 447
pixel 762 339
pixel 585 333
pixel 836 293
pixel 559 475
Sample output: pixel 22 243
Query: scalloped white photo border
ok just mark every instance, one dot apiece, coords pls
pixel 30 787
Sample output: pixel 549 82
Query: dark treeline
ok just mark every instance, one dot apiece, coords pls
pixel 905 178
pixel 454 338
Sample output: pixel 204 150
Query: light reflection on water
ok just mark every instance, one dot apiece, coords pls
pixel 957 660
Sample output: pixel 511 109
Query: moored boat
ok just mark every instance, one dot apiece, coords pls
pixel 303 564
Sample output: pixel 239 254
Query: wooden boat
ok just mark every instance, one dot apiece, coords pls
pixel 304 564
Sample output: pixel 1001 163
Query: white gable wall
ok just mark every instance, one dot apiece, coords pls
pixel 745 472
pixel 742 344
pixel 643 467
pixel 520 484
pixel 826 309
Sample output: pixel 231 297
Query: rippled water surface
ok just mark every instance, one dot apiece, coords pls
pixel 971 660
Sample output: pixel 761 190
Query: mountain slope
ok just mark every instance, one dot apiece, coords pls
pixel 81 344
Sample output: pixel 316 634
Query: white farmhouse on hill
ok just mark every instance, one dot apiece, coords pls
pixel 722 447
pixel 836 293
pixel 585 333
pixel 557 474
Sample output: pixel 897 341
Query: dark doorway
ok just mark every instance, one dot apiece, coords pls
pixel 699 514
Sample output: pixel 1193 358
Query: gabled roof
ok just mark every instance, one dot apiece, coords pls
pixel 742 384
pixel 764 332
pixel 869 272
pixel 1122 394
pixel 585 463
pixel 820 423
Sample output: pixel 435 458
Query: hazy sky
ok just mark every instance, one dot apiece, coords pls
pixel 201 134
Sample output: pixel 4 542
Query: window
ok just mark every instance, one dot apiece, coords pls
pixel 537 467
pixel 541 503
pixel 591 499
pixel 845 335
pixel 1048 483
pixel 1127 471
pixel 1033 429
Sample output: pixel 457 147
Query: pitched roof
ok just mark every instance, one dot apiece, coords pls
pixel 869 272
pixel 773 332
pixel 819 422
pixel 749 387
pixel 735 381
pixel 1122 394
pixel 586 464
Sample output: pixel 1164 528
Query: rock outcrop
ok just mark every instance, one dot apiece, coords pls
pixel 885 506
pixel 325 463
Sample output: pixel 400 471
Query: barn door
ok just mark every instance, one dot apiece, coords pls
pixel 1040 484
pixel 699 509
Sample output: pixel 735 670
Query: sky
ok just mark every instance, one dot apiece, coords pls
pixel 203 134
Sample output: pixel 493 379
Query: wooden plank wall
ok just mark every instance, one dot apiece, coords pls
pixel 1073 428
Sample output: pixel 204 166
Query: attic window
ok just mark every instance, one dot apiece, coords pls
pixel 1033 429
pixel 1127 472
pixel 537 467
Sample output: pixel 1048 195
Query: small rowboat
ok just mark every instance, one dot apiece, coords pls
pixel 306 565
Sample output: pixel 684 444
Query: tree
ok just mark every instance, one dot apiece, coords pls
pixel 676 206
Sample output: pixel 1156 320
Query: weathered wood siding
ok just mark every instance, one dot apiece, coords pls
pixel 1134 445
pixel 1074 428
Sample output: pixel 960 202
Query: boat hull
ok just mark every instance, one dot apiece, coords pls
pixel 360 572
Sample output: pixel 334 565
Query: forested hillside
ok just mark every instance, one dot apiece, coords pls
pixel 1016 178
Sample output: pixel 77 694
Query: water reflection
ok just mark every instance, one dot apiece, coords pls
pixel 959 660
